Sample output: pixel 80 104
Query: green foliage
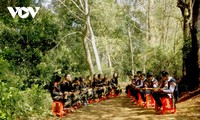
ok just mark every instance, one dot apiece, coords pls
pixel 15 103
pixel 32 49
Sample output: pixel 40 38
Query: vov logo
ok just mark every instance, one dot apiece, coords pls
pixel 26 10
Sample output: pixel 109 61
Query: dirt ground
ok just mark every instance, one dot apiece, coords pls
pixel 122 108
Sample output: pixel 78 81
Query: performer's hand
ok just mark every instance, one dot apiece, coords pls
pixel 156 89
pixel 160 90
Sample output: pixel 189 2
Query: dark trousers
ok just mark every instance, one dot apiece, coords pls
pixel 67 102
pixel 134 93
pixel 157 97
pixel 117 89
pixel 143 94
pixel 127 87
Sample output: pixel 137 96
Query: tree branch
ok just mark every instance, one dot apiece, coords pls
pixel 81 3
pixel 71 11
pixel 63 38
pixel 78 6
pixel 89 40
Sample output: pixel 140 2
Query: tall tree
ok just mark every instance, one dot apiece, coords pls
pixel 92 37
pixel 85 36
pixel 191 25
pixel 83 7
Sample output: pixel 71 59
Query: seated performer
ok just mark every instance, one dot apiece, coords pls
pixel 106 85
pixel 166 89
pixel 129 86
pixel 56 93
pixel 150 82
pixel 89 86
pixel 114 84
pixel 139 84
pixel 66 88
pixel 95 87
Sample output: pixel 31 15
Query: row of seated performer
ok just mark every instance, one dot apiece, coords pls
pixel 82 91
pixel 163 93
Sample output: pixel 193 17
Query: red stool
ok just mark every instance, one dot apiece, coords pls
pixel 151 102
pixel 90 101
pixel 129 93
pixel 102 98
pixel 96 100
pixel 167 105
pixel 139 99
pixel 57 108
pixel 113 93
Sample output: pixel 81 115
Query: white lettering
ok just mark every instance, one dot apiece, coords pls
pixel 25 15
pixel 33 13
pixel 12 12
pixel 20 10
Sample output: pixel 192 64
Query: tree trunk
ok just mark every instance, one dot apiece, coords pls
pixel 191 14
pixel 92 37
pixel 85 41
pixel 149 21
pixel 131 48
pixel 108 56
pixel 95 49
pixel 186 35
pixel 195 32
pixel 87 50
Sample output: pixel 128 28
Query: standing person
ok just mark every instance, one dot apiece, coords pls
pixel 167 87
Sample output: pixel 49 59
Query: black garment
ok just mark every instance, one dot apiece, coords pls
pixel 114 81
pixel 56 93
pixel 138 82
pixel 95 83
pixel 114 84
pixel 149 84
pixel 127 88
pixel 143 94
pixel 157 97
pixel 53 85
pixel 66 86
pixel 76 87
pixel 134 93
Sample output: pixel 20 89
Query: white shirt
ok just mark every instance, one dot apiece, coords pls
pixel 169 89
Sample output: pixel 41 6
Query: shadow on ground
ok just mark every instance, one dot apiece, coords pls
pixel 122 108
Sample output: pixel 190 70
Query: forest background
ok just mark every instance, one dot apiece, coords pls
pixel 83 37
